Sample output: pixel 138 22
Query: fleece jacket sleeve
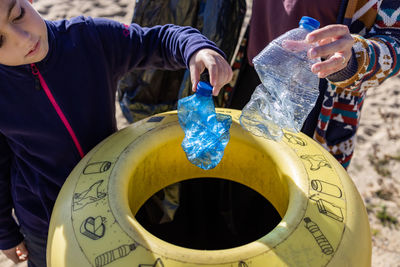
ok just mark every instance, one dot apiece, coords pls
pixel 9 230
pixel 160 47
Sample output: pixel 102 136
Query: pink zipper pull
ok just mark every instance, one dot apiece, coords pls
pixel 35 72
pixel 34 69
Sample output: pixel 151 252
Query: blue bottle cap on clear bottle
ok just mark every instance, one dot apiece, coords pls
pixel 204 89
pixel 309 23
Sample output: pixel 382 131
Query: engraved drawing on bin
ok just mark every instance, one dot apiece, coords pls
pixel 328 208
pixel 114 254
pixel 326 188
pixel 90 195
pixel 93 228
pixel 97 167
pixel 291 138
pixel 319 237
pixel 317 161
pixel 157 263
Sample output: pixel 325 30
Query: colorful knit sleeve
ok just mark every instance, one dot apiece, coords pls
pixel 377 53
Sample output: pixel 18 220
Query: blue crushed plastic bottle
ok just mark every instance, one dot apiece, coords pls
pixel 206 132
pixel 289 89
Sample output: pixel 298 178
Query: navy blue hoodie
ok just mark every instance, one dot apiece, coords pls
pixel 85 61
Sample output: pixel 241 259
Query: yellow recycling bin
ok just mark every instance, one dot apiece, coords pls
pixel 324 221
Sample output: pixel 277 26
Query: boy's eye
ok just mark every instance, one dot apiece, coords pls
pixel 1 41
pixel 21 15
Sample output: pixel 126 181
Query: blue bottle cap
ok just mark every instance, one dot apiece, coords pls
pixel 204 89
pixel 309 23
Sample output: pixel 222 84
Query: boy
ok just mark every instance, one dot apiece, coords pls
pixel 57 87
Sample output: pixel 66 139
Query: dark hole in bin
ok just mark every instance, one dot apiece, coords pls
pixel 213 214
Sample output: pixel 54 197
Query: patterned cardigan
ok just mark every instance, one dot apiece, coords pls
pixel 375 25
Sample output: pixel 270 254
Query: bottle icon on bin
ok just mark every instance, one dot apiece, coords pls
pixel 322 242
pixel 97 167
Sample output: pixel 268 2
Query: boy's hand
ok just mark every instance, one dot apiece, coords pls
pixel 218 69
pixel 17 254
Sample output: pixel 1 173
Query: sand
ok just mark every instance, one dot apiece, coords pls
pixel 375 168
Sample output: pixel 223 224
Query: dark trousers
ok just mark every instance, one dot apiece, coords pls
pixel 36 246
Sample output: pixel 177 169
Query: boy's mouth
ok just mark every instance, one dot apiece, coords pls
pixel 34 49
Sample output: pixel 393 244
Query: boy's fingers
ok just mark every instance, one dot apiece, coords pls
pixel 220 75
pixel 219 70
pixel 225 78
pixel 22 252
pixel 195 75
pixel 11 255
pixel 214 76
pixel 17 254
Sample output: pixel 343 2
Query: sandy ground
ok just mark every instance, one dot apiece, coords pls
pixel 375 168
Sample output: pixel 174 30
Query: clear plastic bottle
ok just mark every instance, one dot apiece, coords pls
pixel 289 89
pixel 206 132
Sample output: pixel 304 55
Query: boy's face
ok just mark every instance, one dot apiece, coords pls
pixel 23 33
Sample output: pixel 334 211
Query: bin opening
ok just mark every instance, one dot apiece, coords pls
pixel 239 201
pixel 212 214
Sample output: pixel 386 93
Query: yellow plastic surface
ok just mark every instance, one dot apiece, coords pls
pixel 324 220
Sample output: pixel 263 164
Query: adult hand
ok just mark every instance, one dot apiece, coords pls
pixel 17 254
pixel 220 72
pixel 334 45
